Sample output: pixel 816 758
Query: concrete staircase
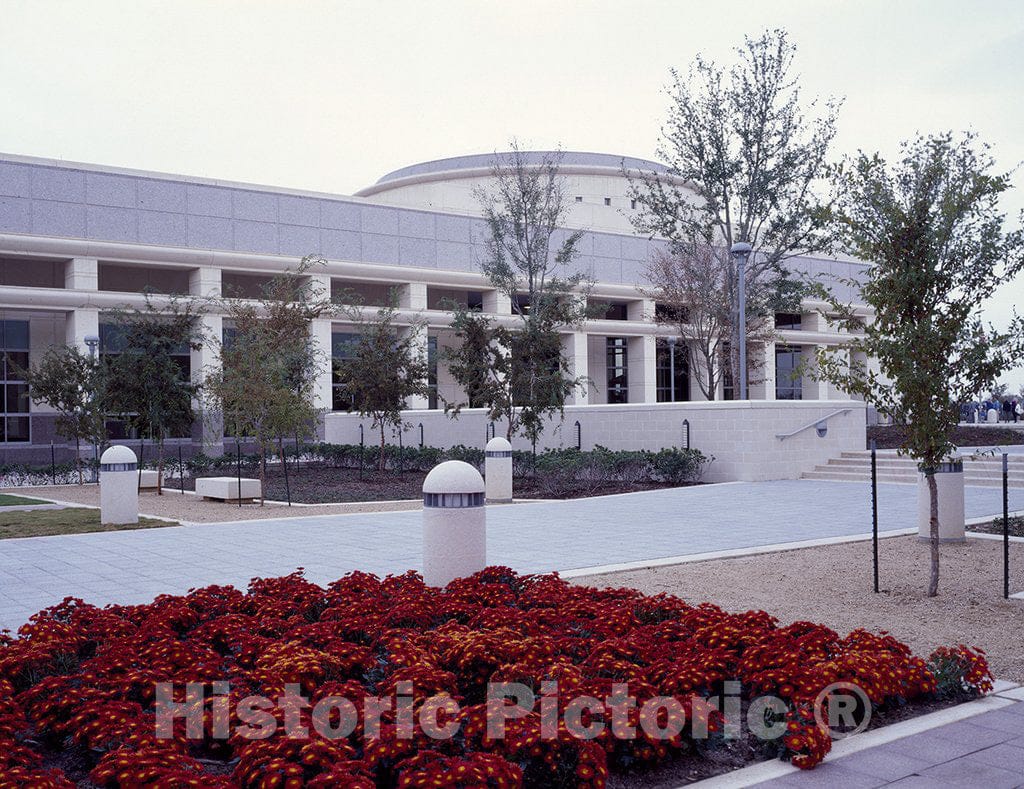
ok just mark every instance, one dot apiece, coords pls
pixel 856 467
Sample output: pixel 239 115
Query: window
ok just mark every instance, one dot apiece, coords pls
pixel 446 298
pixel 667 313
pixel 665 389
pixel 342 347
pixel 14 398
pixel 788 320
pixel 728 384
pixel 632 204
pixel 607 201
pixel 31 273
pixel 579 199
pixel 614 310
pixel 617 369
pixel 787 376
pixel 432 372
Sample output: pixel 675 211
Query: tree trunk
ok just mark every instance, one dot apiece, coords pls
pixel 933 525
pixel 381 459
pixel 78 460
pixel 160 466
pixel 263 472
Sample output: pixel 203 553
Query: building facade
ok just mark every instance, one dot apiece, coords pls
pixel 78 241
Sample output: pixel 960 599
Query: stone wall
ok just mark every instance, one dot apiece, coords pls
pixel 742 436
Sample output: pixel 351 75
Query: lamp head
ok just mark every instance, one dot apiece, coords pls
pixel 740 249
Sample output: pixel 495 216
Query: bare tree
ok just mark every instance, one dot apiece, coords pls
pixel 753 166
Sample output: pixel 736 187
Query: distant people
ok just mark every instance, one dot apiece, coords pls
pixel 1007 409
pixel 1018 410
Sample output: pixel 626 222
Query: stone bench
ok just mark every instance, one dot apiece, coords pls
pixel 226 488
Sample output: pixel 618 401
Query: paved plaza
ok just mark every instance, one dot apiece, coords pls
pixel 985 750
pixel 135 566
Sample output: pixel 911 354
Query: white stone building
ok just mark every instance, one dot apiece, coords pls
pixel 77 241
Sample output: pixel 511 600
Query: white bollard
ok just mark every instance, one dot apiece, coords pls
pixel 454 523
pixel 949 479
pixel 992 416
pixel 119 486
pixel 498 470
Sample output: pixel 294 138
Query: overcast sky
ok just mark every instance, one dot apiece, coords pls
pixel 330 96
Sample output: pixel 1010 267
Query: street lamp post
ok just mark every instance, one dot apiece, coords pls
pixel 740 252
pixel 672 368
pixel 93 342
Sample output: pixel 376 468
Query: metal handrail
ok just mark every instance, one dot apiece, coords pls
pixel 815 423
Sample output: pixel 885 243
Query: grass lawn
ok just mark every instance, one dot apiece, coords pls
pixel 7 500
pixel 73 520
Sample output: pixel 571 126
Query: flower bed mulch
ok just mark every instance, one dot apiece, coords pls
pixel 78 697
pixel 894 436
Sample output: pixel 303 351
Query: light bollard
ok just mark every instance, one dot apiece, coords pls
pixel 992 417
pixel 119 486
pixel 498 471
pixel 949 480
pixel 454 523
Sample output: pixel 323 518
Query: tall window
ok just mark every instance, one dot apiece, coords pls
pixel 342 348
pixel 432 372
pixel 728 384
pixel 787 377
pixel 617 370
pixel 664 372
pixel 14 399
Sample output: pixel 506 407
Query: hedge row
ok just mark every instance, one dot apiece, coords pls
pixel 553 468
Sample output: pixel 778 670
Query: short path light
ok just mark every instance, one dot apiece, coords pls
pixel 454 523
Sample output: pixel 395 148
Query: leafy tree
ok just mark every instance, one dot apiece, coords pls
pixel 931 225
pixel 74 384
pixel 752 163
pixel 520 374
pixel 149 388
pixel 384 368
pixel 263 386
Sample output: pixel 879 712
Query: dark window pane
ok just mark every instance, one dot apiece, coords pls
pixel 16 335
pixel 17 428
pixel 17 399
pixel 17 361
pixel 788 320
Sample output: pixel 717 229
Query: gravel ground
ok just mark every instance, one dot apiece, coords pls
pixel 832 585
pixel 189 509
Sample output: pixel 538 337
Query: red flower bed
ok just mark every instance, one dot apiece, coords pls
pixel 78 685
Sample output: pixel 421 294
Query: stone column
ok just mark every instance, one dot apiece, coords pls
pixel 770 372
pixel 320 331
pixel 81 274
pixel 209 432
pixel 642 367
pixel 497 303
pixel 640 310
pixel 574 346
pixel 810 387
pixel 204 282
pixel 419 340
pixel 698 373
pixel 413 296
pixel 79 324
